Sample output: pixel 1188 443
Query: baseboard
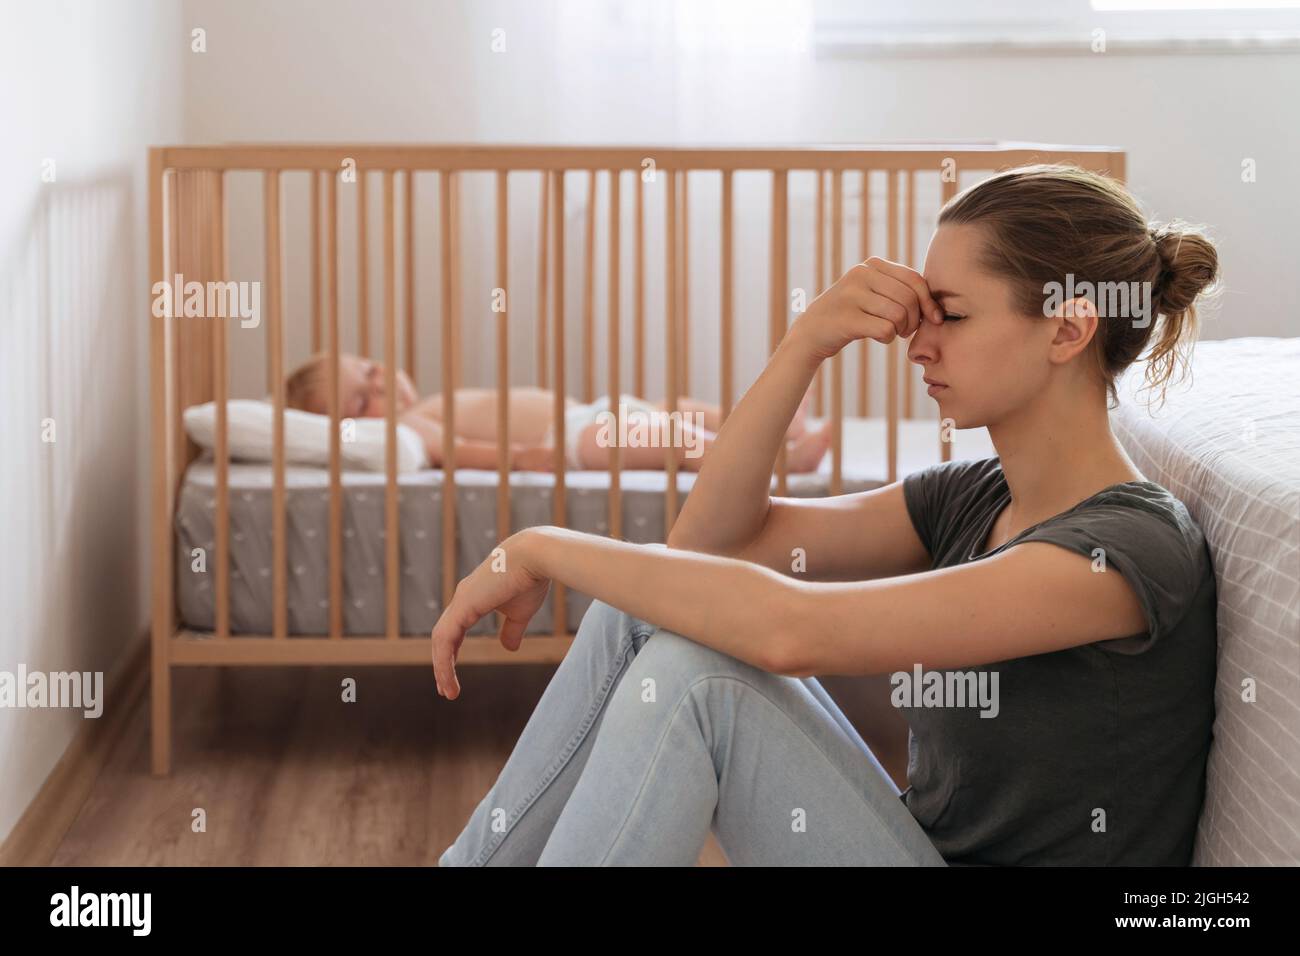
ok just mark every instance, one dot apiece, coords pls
pixel 47 819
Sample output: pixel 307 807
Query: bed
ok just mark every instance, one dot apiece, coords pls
pixel 1227 443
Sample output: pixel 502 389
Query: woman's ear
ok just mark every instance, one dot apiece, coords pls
pixel 1076 324
pixel 1078 307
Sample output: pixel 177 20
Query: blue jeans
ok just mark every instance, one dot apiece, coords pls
pixel 645 739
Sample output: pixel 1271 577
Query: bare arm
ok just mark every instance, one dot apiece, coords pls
pixel 730 509
pixel 1032 599
pixel 718 601
pixel 854 537
pixel 729 501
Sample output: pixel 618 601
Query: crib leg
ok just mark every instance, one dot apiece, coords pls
pixel 161 708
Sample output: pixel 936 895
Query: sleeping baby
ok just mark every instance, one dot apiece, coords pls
pixel 643 434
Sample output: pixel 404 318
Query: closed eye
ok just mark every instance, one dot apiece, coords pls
pixel 949 315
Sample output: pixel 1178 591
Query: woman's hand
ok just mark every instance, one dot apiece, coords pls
pixel 506 581
pixel 876 299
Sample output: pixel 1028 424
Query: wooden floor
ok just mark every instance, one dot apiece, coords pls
pixel 288 774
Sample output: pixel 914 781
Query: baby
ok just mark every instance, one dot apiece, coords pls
pixel 363 393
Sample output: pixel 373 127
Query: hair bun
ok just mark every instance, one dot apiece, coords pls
pixel 1189 264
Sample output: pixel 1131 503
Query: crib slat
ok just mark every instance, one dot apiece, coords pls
pixel 726 354
pixel 559 598
pixel 543 290
pixel 336 456
pixel 315 262
pixel 363 268
pixel 684 284
pixel 589 294
pixel 779 290
pixel 220 395
pixel 837 361
pixel 175 398
pixel 891 354
pixel 503 359
pixel 819 279
pixel 163 558
pixel 201 357
pixel 456 377
pixel 190 269
pixel 909 258
pixel 670 352
pixel 392 541
pixel 173 425
pixel 408 274
pixel 864 252
pixel 615 357
pixel 275 361
pixel 949 189
pixel 448 255
pixel 638 291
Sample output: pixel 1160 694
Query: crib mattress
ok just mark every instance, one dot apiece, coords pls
pixel 420 517
pixel 1228 447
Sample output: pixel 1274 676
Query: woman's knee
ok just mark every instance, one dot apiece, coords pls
pixel 604 621
pixel 669 654
pixel 600 616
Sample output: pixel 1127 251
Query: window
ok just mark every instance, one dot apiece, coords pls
pixel 999 27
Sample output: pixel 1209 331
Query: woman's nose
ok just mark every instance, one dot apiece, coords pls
pixel 924 343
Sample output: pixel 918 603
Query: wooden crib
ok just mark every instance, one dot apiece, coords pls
pixel 189 357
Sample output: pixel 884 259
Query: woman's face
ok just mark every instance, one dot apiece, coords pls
pixel 990 359
pixel 363 388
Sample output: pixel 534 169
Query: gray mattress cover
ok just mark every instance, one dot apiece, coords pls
pixel 420 518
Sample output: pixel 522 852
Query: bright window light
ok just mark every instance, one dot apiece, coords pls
pixel 744 26
pixel 1227 5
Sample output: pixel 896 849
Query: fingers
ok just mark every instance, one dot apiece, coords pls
pixel 882 318
pixel 905 322
pixel 512 633
pixel 444 659
pixel 910 286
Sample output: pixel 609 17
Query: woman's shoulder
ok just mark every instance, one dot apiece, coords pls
pixel 1143 531
pixel 957 475
pixel 1143 502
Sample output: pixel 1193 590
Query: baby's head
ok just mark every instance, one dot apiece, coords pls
pixel 363 387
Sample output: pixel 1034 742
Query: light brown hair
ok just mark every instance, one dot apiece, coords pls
pixel 1043 222
pixel 307 382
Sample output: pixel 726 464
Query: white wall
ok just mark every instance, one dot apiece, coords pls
pixel 91 87
pixel 686 72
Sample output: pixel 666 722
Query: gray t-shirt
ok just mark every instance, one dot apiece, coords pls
pixel 1096 754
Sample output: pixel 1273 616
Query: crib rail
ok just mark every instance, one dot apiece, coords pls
pixel 189 235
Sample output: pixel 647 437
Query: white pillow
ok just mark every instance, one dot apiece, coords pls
pixel 306 436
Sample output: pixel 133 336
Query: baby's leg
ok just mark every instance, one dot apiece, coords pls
pixel 713 413
pixel 689 406
pixel 802 455
pixel 691 445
